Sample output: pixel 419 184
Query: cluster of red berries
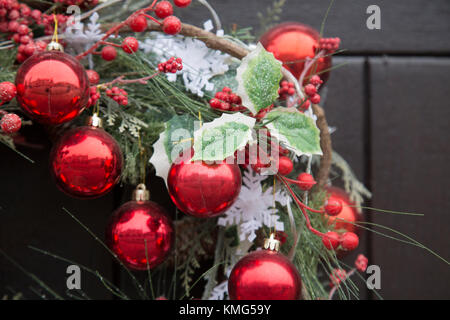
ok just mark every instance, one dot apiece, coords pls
pixel 337 276
pixel 163 10
pixel 10 122
pixel 348 241
pixel 330 45
pixel 226 100
pixel 94 95
pixel 7 92
pixel 286 89
pixel 311 93
pixel 263 112
pixel 82 3
pixel 361 263
pixel 172 65
pixel 118 95
pixel 48 20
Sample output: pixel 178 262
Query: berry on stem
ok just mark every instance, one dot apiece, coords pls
pixel 93 77
pixel 315 99
pixel 285 165
pixel 171 25
pixel 109 53
pixel 331 240
pixel 333 206
pixel 305 181
pixel 182 3
pixel 130 45
pixel 349 241
pixel 337 276
pixel 138 24
pixel 10 123
pixel 7 92
pixel 361 263
pixel 163 9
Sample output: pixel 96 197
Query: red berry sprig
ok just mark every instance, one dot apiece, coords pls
pixel 348 241
pixel 330 45
pixel 226 100
pixel 361 263
pixel 337 276
pixel 172 65
pixel 118 95
pixel 94 95
pixel 286 89
pixel 93 76
pixel 130 45
pixel 10 123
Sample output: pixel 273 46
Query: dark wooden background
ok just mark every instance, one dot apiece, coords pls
pixel 390 104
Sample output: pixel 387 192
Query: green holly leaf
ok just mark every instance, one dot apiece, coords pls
pixel 219 139
pixel 258 79
pixel 175 138
pixel 294 130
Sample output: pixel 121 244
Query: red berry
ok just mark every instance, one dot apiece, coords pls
pixel 182 3
pixel 305 181
pixel 10 123
pixel 93 77
pixel 29 49
pixel 361 263
pixel 7 91
pixel 331 240
pixel 285 165
pixel 349 241
pixel 305 105
pixel 23 29
pixel 310 89
pixel 333 206
pixel 337 276
pixel 13 26
pixel 130 45
pixel 315 98
pixel 171 25
pixel 163 9
pixel 315 80
pixel 139 24
pixel 109 53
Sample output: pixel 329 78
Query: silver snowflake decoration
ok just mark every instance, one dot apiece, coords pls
pixel 254 207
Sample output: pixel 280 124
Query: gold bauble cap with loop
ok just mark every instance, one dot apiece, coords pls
pixel 55 46
pixel 94 121
pixel 141 193
pixel 271 243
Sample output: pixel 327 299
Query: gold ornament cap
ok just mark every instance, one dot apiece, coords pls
pixel 55 46
pixel 271 243
pixel 141 193
pixel 95 121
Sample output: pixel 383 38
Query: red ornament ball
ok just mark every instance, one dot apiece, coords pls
pixel 345 220
pixel 138 225
pixel 203 190
pixel 171 25
pixel 264 275
pixel 285 165
pixel 10 123
pixel 7 92
pixel 292 41
pixel 163 9
pixel 52 87
pixel 86 162
pixel 139 24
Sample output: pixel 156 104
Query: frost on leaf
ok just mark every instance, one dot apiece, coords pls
pixel 259 77
pixel 294 130
pixel 219 139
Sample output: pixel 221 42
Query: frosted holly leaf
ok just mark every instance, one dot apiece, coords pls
pixel 219 139
pixel 258 79
pixel 175 138
pixel 294 130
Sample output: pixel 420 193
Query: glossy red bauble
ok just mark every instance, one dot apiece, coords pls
pixel 138 225
pixel 292 43
pixel 86 162
pixel 52 87
pixel 204 190
pixel 264 275
pixel 348 215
